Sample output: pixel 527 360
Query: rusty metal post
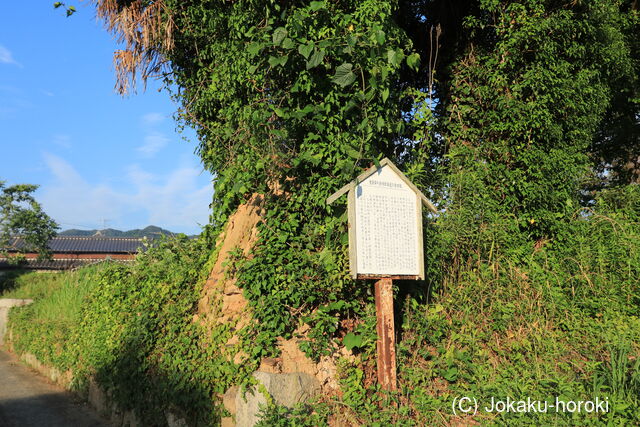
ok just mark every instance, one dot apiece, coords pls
pixel 386 335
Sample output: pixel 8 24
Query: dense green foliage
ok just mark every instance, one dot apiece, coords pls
pixel 295 100
pixel 46 327
pixel 21 215
pixel 131 329
pixel 559 319
pixel 523 109
pixel 292 100
pixel 524 131
pixel 509 153
pixel 539 321
pixel 138 339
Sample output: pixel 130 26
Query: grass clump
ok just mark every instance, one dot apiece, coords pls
pixel 44 328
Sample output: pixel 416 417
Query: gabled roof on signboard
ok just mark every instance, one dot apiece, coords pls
pixel 366 174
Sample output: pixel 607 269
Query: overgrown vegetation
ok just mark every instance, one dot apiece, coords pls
pixel 46 327
pixel 556 319
pixel 138 339
pixel 559 318
pixel 518 118
pixel 131 329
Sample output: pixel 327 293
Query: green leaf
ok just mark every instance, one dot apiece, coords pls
pixel 395 56
pixel 327 238
pixel 280 113
pixel 344 239
pixel 451 374
pixel 288 43
pixel 333 306
pixel 327 260
pixel 254 48
pixel 413 61
pixel 379 123
pixel 380 37
pixel 316 58
pixel 384 72
pixel 385 94
pixel 351 40
pixel 306 49
pixel 312 137
pixel 354 154
pixel 275 61
pixel 236 187
pixel 344 75
pixel 316 5
pixel 278 35
pixel 352 340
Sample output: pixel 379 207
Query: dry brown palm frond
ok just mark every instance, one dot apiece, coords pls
pixel 146 30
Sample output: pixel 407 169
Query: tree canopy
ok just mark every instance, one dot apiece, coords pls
pixel 263 80
pixel 22 216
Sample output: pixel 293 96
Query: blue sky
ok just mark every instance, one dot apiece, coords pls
pixel 99 158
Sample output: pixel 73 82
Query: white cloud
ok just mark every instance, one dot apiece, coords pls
pixel 153 143
pixel 173 197
pixel 150 119
pixel 69 198
pixel 154 140
pixel 6 57
pixel 176 201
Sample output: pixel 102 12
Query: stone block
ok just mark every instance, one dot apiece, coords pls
pixel 284 389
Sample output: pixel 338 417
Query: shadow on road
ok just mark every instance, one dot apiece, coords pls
pixel 28 400
pixel 50 409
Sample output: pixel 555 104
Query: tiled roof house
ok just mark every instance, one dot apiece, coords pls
pixel 69 252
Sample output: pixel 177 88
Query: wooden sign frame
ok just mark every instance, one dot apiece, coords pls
pixel 351 213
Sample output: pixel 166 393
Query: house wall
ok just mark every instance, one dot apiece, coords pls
pixel 74 256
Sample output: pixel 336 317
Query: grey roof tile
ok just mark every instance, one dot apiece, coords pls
pixel 122 245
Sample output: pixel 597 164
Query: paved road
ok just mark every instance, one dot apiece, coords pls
pixel 28 400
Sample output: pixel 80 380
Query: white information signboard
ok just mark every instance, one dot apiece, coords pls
pixel 388 226
pixel 385 223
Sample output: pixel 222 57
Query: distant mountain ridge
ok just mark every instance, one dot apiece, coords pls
pixel 150 232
